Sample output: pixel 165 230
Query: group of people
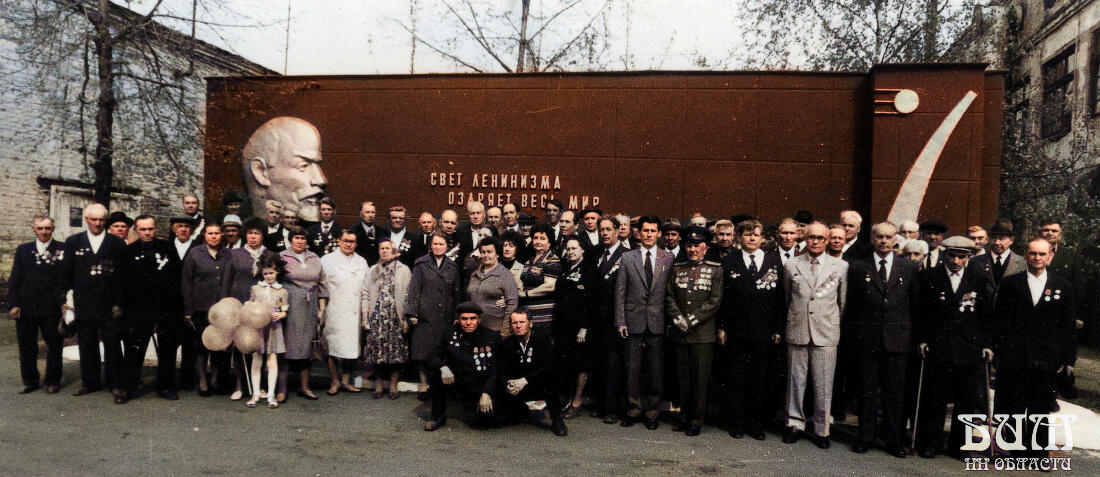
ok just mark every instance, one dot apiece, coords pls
pixel 510 314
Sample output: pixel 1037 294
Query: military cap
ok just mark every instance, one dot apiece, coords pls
pixel 1001 228
pixel 119 217
pixel 958 243
pixel 468 307
pixel 933 226
pixel 696 234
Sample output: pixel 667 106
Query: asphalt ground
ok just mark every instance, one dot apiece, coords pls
pixel 352 434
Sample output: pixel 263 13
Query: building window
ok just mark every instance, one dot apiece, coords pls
pixel 1094 73
pixel 1057 107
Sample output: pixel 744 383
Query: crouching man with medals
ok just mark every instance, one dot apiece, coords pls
pixel 694 293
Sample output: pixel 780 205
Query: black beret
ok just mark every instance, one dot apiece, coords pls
pixel 468 307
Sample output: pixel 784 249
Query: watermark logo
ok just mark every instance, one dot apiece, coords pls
pixel 1051 424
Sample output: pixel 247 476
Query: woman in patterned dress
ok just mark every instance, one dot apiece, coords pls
pixel 539 277
pixel 384 318
pixel 308 298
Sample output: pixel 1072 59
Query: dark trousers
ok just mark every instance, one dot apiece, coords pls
pixel 136 340
pixel 1030 390
pixel 26 331
pixel 845 382
pixel 750 388
pixel 462 389
pixel 90 333
pixel 515 407
pixel 653 345
pixel 193 349
pixel 693 364
pixel 944 383
pixel 881 370
pixel 613 392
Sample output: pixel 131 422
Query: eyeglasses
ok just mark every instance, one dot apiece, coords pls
pixel 815 238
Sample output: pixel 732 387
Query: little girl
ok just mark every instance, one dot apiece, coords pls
pixel 271 292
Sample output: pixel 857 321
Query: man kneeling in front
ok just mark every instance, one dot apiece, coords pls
pixel 525 372
pixel 460 366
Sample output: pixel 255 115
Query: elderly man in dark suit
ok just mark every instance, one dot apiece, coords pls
pixel 816 287
pixel 152 304
pixel 640 318
pixel 367 233
pixel 882 290
pixel 1001 261
pixel 1066 263
pixel 406 244
pixel 525 372
pixel 854 249
pixel 605 332
pixel 469 235
pixel 35 305
pixel 92 269
pixel 750 326
pixel 1036 342
pixel 954 342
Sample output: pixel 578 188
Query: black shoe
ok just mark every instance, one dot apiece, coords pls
pixel 860 448
pixel 791 435
pixel 756 433
pixel 927 453
pixel 651 424
pixel 628 421
pixel 29 389
pixel 693 430
pixel 169 395
pixel 83 390
pixel 205 393
pixel 896 451
pixel 822 442
pixel 611 418
pixel 434 424
pixel 122 397
pixel 559 427
pixel 737 431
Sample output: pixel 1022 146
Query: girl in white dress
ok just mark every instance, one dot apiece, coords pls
pixel 270 291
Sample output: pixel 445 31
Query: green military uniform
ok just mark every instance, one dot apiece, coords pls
pixel 694 293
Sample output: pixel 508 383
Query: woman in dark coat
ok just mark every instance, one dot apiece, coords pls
pixel 433 294
pixel 574 314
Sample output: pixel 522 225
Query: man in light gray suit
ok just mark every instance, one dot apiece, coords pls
pixel 816 285
pixel 640 317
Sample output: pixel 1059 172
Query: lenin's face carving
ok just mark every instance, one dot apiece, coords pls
pixel 282 161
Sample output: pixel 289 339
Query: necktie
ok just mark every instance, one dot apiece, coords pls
pixel 928 260
pixel 324 228
pixel 648 271
pixel 752 265
pixel 814 266
pixel 606 257
pixel 786 255
pixel 882 269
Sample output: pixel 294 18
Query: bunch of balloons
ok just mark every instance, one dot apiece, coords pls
pixel 233 323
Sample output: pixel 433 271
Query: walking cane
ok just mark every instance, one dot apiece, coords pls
pixel 989 416
pixel 916 412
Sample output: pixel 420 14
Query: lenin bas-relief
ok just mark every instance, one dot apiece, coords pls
pixel 282 162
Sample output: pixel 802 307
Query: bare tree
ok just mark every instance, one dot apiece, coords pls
pixel 567 37
pixel 851 35
pixel 124 57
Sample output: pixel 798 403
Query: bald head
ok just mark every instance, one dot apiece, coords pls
pixel 448 221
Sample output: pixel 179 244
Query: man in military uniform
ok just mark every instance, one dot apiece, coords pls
pixel 324 236
pixel 954 342
pixel 461 365
pixel 694 292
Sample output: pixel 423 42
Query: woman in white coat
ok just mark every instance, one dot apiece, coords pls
pixel 346 278
pixel 386 347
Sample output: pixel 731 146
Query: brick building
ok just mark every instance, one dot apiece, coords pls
pixel 48 138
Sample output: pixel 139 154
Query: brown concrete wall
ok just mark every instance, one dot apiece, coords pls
pixel 664 143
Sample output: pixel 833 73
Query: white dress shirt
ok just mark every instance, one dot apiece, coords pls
pixel 652 253
pixel 593 237
pixel 675 251
pixel 96 240
pixel 787 254
pixel 848 245
pixel 1037 284
pixel 1004 257
pixel 889 262
pixel 955 278
pixel 42 246
pixel 758 255
pixel 614 246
